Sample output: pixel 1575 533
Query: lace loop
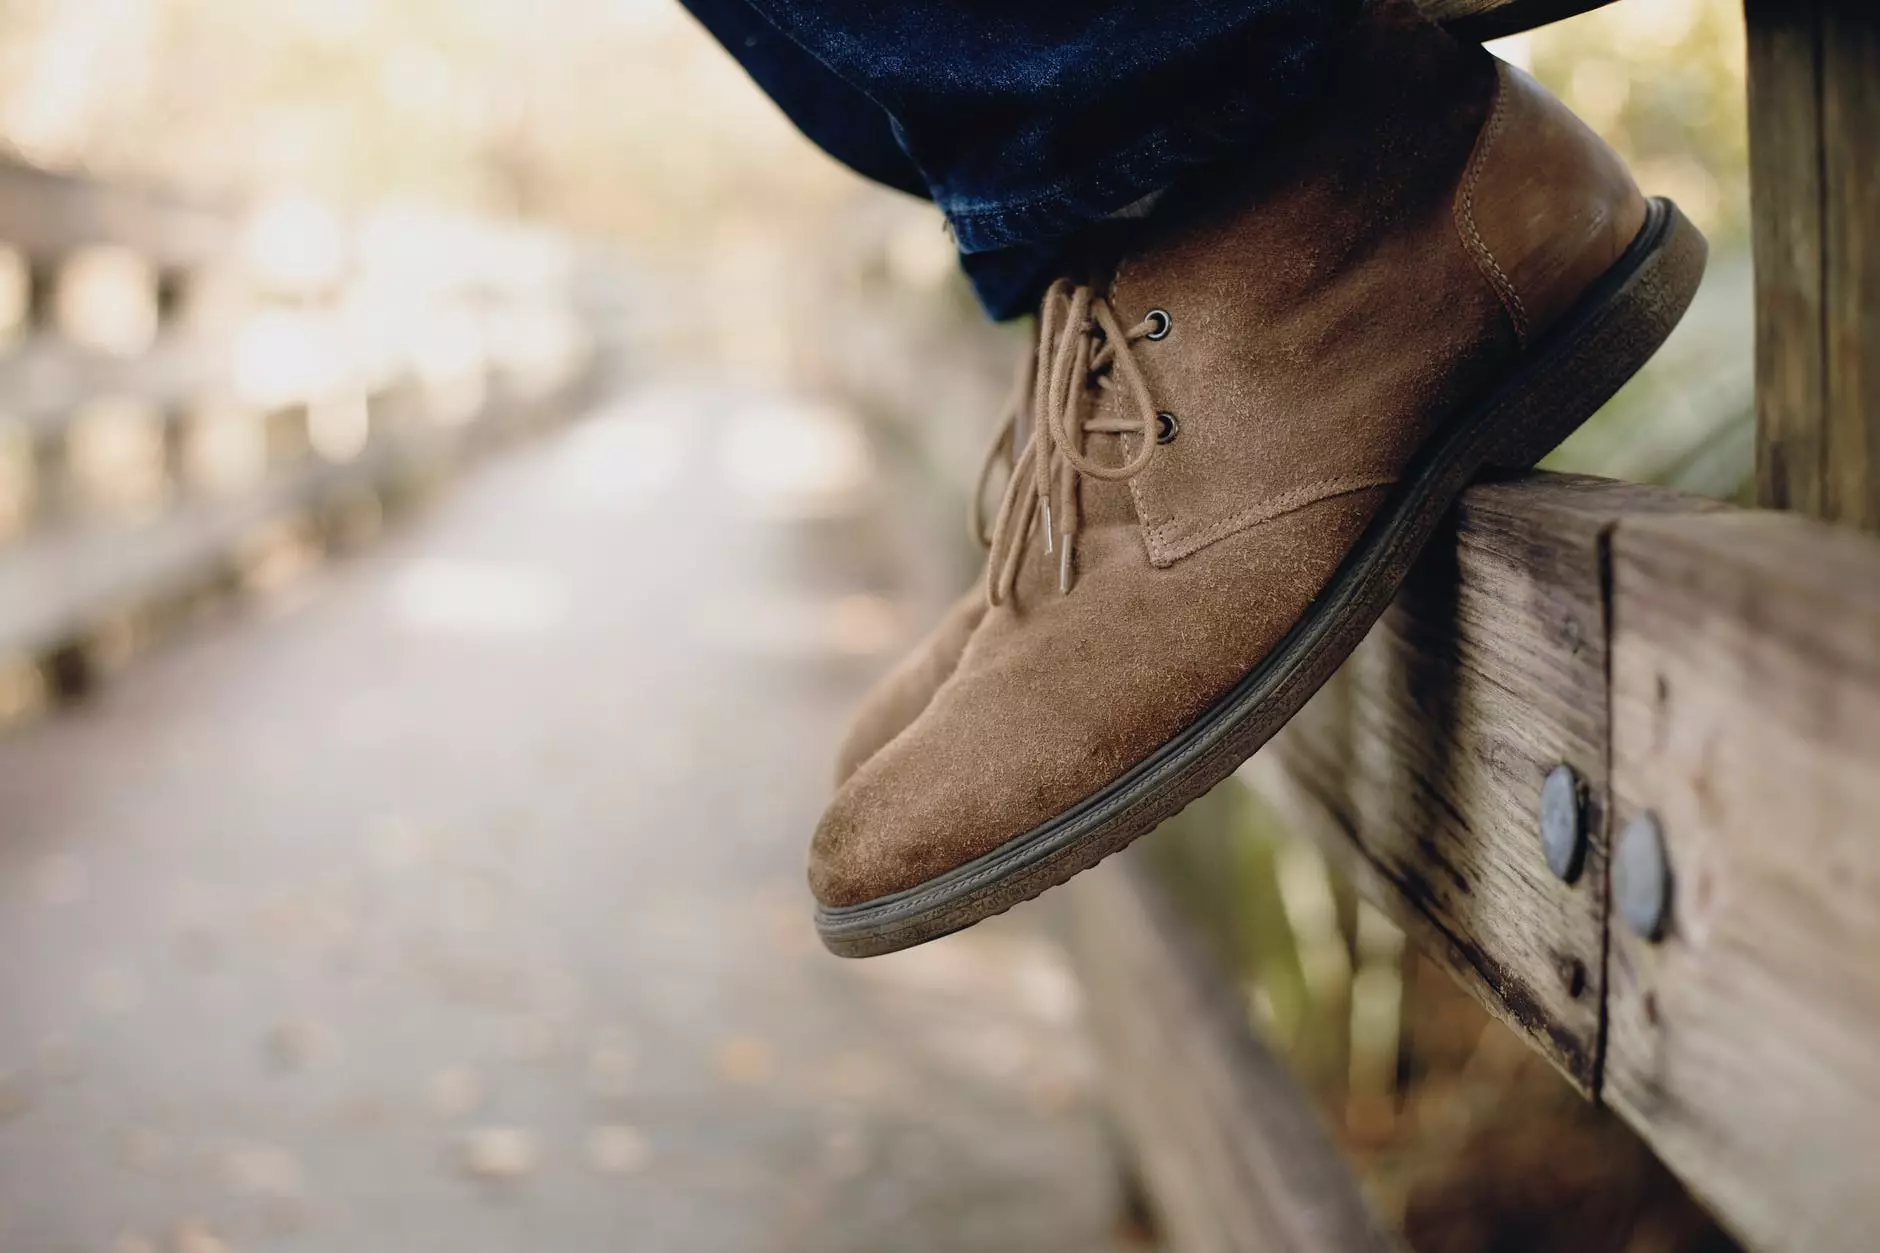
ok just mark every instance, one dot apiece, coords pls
pixel 1080 347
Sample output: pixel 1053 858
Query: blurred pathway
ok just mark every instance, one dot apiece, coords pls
pixel 454 902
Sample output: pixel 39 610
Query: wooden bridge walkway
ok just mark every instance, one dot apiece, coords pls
pixel 410 907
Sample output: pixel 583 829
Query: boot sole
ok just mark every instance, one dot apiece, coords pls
pixel 1613 330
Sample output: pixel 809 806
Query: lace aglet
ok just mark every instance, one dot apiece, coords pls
pixel 1048 549
pixel 1064 566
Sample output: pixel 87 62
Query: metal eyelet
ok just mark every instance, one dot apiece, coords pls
pixel 1161 323
pixel 1167 427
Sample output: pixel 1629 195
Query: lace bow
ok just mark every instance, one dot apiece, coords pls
pixel 1080 348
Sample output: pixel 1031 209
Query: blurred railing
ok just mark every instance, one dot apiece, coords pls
pixel 192 397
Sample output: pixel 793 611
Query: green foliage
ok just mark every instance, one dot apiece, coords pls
pixel 1663 81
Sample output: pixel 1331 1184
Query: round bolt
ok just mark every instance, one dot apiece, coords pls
pixel 1563 823
pixel 1641 877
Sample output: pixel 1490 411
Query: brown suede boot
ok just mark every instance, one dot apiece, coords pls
pixel 899 696
pixel 1238 443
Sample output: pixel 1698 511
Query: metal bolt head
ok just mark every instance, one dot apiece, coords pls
pixel 1563 823
pixel 1641 877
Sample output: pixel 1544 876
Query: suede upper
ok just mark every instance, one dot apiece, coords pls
pixel 1088 683
pixel 899 696
pixel 1326 310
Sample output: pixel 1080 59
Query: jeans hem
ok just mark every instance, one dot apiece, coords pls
pixel 1150 164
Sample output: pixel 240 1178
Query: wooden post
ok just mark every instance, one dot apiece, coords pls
pixel 1814 96
pixel 42 294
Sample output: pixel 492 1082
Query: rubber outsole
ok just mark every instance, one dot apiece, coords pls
pixel 1613 330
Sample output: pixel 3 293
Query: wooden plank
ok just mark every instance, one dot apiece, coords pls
pixel 1814 79
pixel 1746 715
pixel 1785 205
pixel 1231 1152
pixel 47 216
pixel 46 379
pixel 58 586
pixel 1420 766
pixel 1850 120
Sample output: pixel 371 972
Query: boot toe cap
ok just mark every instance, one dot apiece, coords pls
pixel 1052 703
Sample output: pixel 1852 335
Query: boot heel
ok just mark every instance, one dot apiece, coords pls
pixel 1617 327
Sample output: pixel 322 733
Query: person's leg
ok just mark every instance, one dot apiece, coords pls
pixel 841 120
pixel 1026 122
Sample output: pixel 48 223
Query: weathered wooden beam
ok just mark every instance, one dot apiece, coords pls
pixel 1745 1044
pixel 1814 96
pixel 48 215
pixel 1232 1154
pixel 1420 767
pixel 60 585
pixel 1715 668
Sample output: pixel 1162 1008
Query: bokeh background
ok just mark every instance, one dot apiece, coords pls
pixel 428 876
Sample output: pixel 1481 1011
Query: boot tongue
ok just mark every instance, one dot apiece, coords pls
pixel 1107 504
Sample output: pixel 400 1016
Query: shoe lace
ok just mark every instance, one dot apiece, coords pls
pixel 1080 348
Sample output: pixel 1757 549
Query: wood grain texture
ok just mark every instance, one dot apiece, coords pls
pixel 1746 716
pixel 1420 766
pixel 1785 203
pixel 1232 1155
pixel 1814 82
pixel 1850 121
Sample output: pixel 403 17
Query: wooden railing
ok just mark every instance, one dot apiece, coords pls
pixel 180 393
pixel 1613 760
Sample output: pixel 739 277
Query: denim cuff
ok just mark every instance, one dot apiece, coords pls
pixel 1207 133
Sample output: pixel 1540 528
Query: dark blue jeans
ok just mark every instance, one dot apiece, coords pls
pixel 1027 121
